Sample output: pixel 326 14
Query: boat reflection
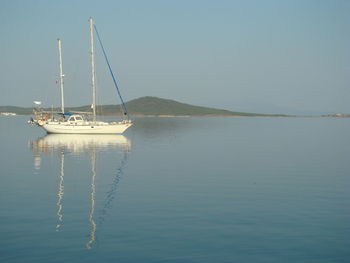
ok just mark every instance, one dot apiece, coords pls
pixel 79 144
pixel 76 143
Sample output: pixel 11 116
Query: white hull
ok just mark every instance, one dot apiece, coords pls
pixel 91 128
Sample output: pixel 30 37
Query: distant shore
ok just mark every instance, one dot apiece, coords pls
pixel 336 116
pixel 158 107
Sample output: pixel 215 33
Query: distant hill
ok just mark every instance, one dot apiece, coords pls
pixel 157 106
pixel 147 106
pixel 17 110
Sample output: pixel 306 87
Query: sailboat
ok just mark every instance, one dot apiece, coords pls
pixel 79 122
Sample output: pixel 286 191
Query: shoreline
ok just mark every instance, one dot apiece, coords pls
pixel 211 116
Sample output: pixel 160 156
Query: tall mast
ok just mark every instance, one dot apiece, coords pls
pixel 61 74
pixel 93 73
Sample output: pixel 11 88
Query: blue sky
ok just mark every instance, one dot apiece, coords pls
pixel 258 56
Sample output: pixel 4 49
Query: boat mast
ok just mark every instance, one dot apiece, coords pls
pixel 93 73
pixel 61 74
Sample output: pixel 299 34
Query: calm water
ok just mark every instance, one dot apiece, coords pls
pixel 178 190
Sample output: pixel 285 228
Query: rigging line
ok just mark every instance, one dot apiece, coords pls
pixel 110 70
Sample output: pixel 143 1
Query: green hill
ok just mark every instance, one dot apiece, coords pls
pixel 146 106
pixel 158 106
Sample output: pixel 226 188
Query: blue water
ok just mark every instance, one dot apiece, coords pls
pixel 178 190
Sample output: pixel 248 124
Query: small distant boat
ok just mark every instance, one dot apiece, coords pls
pixel 81 122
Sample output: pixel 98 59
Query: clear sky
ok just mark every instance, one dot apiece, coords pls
pixel 259 56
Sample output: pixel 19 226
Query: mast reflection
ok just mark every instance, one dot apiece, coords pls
pixel 79 144
pixel 60 194
pixel 92 195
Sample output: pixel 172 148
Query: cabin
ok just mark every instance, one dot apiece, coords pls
pixel 75 119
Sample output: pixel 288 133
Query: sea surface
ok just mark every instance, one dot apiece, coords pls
pixel 178 190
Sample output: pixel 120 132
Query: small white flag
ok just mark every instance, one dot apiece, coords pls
pixel 37 102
